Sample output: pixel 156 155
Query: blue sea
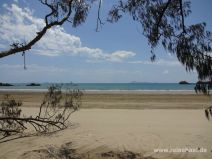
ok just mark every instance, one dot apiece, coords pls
pixel 107 86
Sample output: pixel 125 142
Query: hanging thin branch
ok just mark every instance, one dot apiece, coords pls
pixel 98 20
pixel 24 55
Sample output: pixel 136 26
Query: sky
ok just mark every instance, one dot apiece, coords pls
pixel 118 53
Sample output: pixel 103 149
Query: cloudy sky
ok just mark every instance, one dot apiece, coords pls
pixel 117 53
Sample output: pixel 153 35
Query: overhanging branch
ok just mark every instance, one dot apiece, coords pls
pixel 40 34
pixel 162 14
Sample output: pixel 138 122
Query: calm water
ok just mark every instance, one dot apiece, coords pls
pixel 108 86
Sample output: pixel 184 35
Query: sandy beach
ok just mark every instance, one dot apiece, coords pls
pixel 142 123
pixel 125 99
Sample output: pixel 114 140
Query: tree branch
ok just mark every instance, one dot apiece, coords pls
pixel 36 121
pixel 52 10
pixel 98 21
pixel 53 114
pixel 162 14
pixel 40 34
pixel 182 16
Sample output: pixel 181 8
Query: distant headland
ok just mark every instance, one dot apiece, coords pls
pixel 5 84
pixel 184 82
pixel 33 84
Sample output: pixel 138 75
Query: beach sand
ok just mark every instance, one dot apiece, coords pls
pixel 126 99
pixel 135 122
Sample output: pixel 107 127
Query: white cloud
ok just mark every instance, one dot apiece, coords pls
pixel 160 62
pixel 19 25
pixel 116 56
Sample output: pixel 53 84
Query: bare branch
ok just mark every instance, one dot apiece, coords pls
pixel 157 25
pixel 98 20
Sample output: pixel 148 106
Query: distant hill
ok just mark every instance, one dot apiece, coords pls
pixel 5 84
pixel 33 84
pixel 183 82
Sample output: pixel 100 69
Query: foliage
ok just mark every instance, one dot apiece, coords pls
pixel 58 107
pixel 10 109
pixel 163 22
pixel 53 114
pixel 204 87
pixel 208 112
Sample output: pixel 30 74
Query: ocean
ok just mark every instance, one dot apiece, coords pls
pixel 106 86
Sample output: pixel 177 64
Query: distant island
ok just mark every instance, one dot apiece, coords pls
pixel 33 84
pixel 183 82
pixel 5 84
